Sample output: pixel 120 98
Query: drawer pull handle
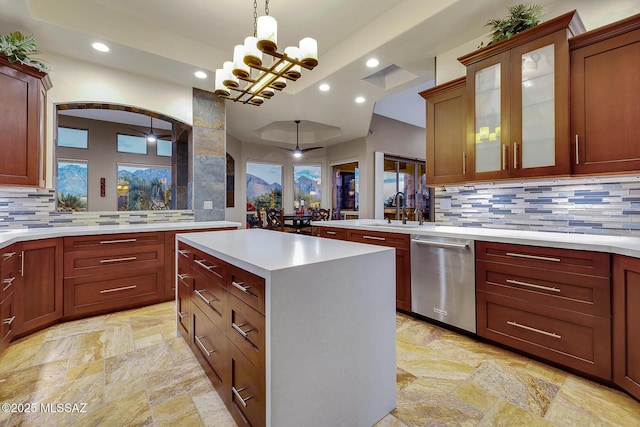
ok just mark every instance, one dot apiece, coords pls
pixel 8 282
pixel 184 252
pixel 331 232
pixel 208 301
pixel 8 255
pixel 243 400
pixel 107 261
pixel 182 276
pixel 441 244
pixel 532 285
pixel 205 266
pixel 123 288
pixel 540 258
pixel 182 314
pixel 106 242
pixel 529 328
pixel 9 320
pixel 239 329
pixel 238 285
pixel 204 348
pixel 374 238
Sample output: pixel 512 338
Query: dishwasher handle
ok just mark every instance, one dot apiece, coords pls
pixel 441 244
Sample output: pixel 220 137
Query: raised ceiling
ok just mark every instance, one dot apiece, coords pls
pixel 169 40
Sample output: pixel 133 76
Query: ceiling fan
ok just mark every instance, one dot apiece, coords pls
pixel 298 152
pixel 151 136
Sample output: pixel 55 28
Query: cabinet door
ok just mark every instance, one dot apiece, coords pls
pixel 626 323
pixel 20 124
pixel 446 142
pixel 539 107
pixel 605 84
pixel 488 108
pixel 403 279
pixel 39 293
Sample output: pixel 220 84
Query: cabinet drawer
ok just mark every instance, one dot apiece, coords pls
pixel 9 272
pixel 332 233
pixel 183 307
pixel 210 296
pixel 394 240
pixel 247 287
pixel 111 260
pixel 578 341
pixel 245 329
pixel 120 241
pixel 7 320
pixel 210 266
pixel 566 260
pixel 210 347
pixel 585 294
pixel 109 292
pixel 185 252
pixel 246 391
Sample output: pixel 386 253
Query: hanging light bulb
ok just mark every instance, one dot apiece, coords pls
pixel 220 89
pixel 294 72
pixel 240 69
pixel 309 51
pixel 267 34
pixel 252 55
pixel 230 80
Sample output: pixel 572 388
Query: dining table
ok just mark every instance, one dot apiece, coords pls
pixel 297 220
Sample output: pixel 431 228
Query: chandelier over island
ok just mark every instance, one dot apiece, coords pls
pixel 258 69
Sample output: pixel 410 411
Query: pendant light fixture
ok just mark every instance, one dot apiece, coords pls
pixel 258 69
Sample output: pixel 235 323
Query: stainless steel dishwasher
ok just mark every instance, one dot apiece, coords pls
pixel 443 280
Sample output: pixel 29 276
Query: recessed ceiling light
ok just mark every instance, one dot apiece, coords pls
pixel 373 62
pixel 100 47
pixel 360 99
pixel 324 87
pixel 201 74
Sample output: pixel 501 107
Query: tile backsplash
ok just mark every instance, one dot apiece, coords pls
pixel 36 208
pixel 595 205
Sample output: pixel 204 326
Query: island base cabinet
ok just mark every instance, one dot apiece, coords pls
pixel 7 317
pixel 626 323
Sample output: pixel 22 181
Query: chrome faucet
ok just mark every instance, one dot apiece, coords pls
pixel 397 198
pixel 418 215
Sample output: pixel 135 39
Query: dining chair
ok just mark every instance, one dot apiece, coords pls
pixel 260 223
pixel 275 221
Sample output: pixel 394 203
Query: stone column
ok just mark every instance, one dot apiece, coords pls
pixel 207 189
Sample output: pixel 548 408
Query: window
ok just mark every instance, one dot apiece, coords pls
pixel 264 186
pixel 307 186
pixel 72 186
pixel 407 177
pixel 132 144
pixel 73 138
pixel 346 187
pixel 143 188
pixel 163 148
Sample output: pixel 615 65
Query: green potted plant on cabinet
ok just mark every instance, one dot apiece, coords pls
pixel 20 48
pixel 520 18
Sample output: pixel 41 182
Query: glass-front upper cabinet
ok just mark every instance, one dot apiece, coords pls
pixel 518 107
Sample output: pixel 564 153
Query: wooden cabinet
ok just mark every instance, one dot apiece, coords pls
pixel 626 323
pixel 38 293
pixel 109 272
pixel 402 244
pixel 551 303
pixel 604 99
pixel 227 308
pixel 518 102
pixel 446 139
pixel 9 272
pixel 184 282
pixel 22 117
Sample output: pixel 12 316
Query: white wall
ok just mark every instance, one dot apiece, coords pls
pixel 79 81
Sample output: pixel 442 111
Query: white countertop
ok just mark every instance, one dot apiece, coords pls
pixel 622 245
pixel 8 237
pixel 263 251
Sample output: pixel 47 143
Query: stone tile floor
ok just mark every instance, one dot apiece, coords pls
pixel 130 369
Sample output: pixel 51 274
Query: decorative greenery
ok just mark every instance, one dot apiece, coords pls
pixel 71 202
pixel 521 17
pixel 19 48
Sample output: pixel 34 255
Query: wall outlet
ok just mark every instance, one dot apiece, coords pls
pixel 208 204
pixel 134 218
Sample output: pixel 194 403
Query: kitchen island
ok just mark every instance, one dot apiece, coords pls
pixel 292 330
